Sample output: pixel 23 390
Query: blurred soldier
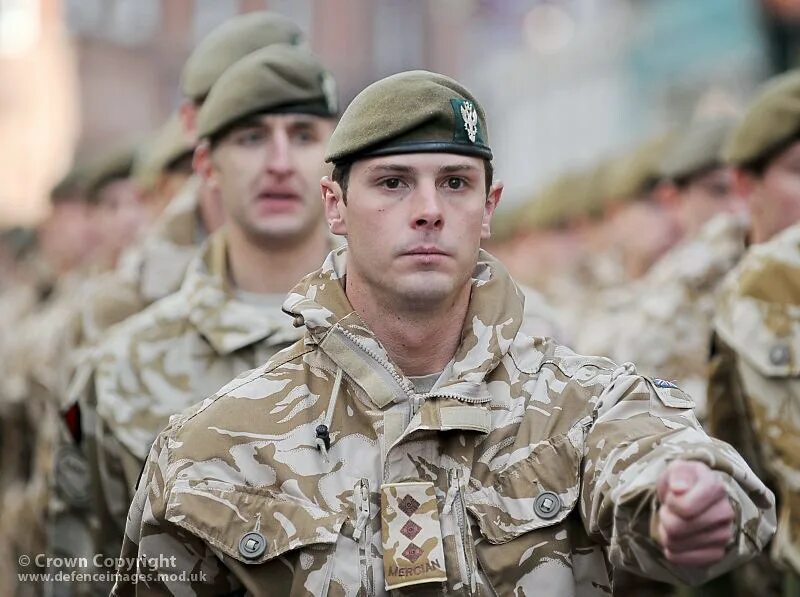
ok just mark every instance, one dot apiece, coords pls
pixel 155 267
pixel 162 166
pixel 632 208
pixel 663 320
pixel 263 131
pixel 417 437
pixel 119 211
pixel 758 327
pixel 31 367
pixel 752 381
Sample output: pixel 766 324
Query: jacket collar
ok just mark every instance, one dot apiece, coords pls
pixel 228 323
pixel 494 316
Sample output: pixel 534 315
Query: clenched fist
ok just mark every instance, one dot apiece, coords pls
pixel 695 517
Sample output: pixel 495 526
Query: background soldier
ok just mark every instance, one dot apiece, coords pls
pixel 753 325
pixel 263 131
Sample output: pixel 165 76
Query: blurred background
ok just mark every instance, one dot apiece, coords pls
pixel 564 82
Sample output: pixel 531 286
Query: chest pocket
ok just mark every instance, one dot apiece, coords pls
pixel 274 544
pixel 523 518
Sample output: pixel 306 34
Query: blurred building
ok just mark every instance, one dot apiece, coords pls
pixel 564 81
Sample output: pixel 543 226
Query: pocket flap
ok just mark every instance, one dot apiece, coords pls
pixel 536 492
pixel 249 524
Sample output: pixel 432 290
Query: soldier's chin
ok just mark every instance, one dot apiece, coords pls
pixel 425 288
pixel 282 228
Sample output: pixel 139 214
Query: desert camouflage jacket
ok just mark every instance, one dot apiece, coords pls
pixel 758 321
pixel 526 470
pixel 150 270
pixel 159 362
pixel 663 321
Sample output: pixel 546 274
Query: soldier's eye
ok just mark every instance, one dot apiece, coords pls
pixel 251 137
pixel 455 183
pixel 391 183
pixel 304 135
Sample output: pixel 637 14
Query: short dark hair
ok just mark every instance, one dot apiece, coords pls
pixel 341 175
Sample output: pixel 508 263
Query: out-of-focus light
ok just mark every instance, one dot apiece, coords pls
pixel 20 26
pixel 548 28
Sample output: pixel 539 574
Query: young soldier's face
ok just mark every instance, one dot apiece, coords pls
pixel 775 202
pixel 707 195
pixel 267 173
pixel 413 223
pixel 120 215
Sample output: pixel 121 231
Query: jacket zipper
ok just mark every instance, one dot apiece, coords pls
pixel 400 381
pixel 462 522
pixel 364 530
pixel 385 367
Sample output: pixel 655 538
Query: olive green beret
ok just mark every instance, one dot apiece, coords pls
pixel 155 156
pixel 591 202
pixel 695 151
pixel 632 173
pixel 277 79
pixel 411 112
pixel 772 119
pixel 71 187
pixel 106 168
pixel 231 41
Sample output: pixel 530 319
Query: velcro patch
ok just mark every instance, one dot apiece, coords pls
pixel 413 550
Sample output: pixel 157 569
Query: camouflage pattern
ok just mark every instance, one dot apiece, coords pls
pixel 759 320
pixel 663 321
pixel 544 464
pixel 37 363
pixel 152 269
pixel 160 362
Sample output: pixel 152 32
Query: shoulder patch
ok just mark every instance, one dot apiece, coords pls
pixel 663 383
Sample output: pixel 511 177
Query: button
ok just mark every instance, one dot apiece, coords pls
pixel 547 505
pixel 779 354
pixel 252 545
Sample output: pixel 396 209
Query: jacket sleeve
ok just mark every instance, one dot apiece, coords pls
pixel 160 558
pixel 638 427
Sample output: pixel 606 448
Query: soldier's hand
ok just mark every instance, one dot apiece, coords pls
pixel 695 517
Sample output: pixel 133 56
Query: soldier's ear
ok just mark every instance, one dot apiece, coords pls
pixel 201 162
pixel 335 206
pixel 744 183
pixel 492 200
pixel 667 194
pixel 188 116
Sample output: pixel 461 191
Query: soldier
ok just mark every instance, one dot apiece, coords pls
pixel 751 396
pixel 758 329
pixel 155 267
pixel 119 210
pixel 263 131
pixel 663 320
pixel 32 367
pixel 162 166
pixel 693 179
pixel 418 437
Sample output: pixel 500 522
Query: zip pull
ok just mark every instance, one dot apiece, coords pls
pixel 452 491
pixel 416 404
pixel 362 517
